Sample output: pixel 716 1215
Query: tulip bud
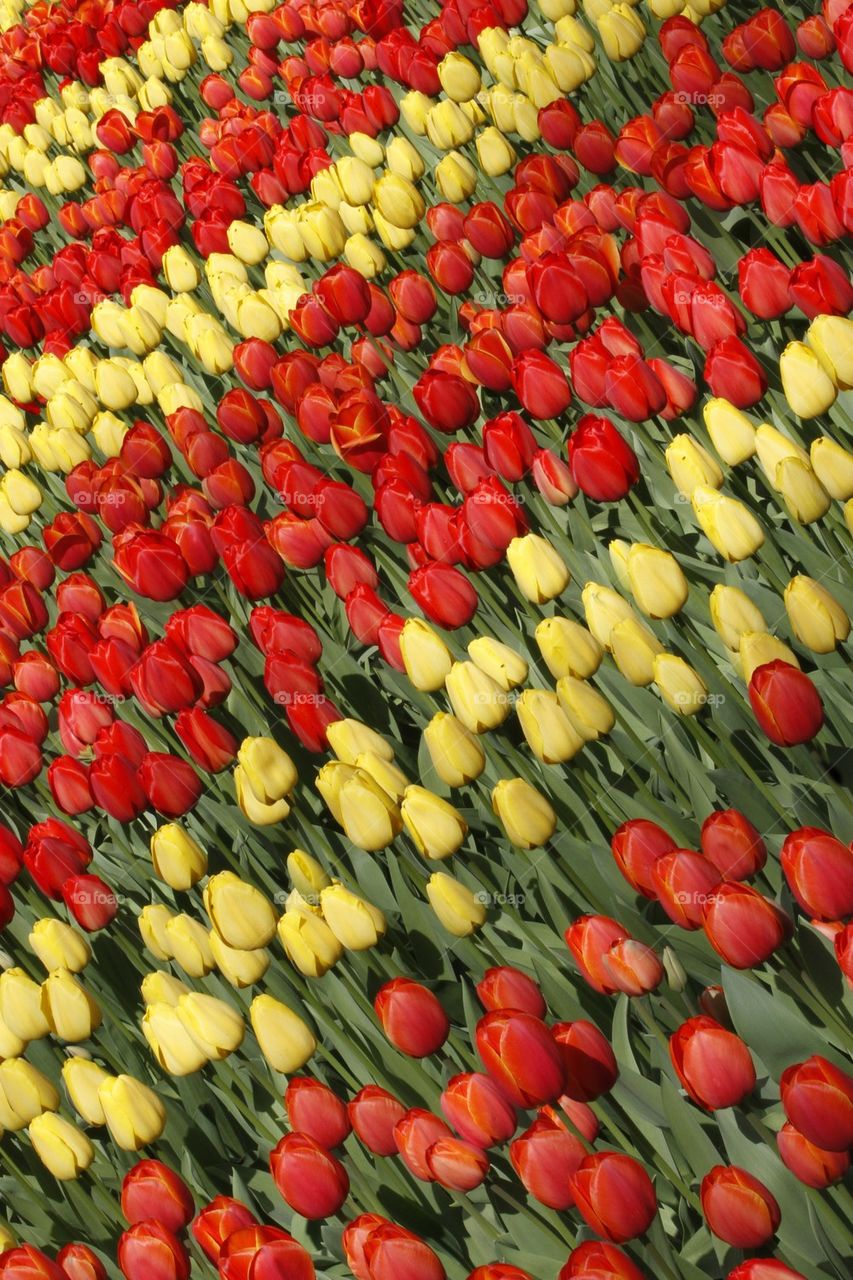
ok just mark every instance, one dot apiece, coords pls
pixel 808 388
pixel 460 911
pixel 306 874
pixel 82 1079
pixel 786 704
pixel 604 609
pixel 355 923
pixel 349 739
pixel 744 927
pixel 412 1017
pixel 538 568
pixel 636 846
pixel 151 1190
pixel 477 700
pixel 681 688
pixel 731 527
pixel 134 1114
pixel 506 667
pixel 831 337
pixel 521 1057
pixel 240 968
pixel 817 1098
pixel 24 1093
pixel 819 872
pixel 62 1148
pixel 738 1208
pixel 524 813
pixel 714 1065
pixel 285 1040
pixel 153 922
pixel 691 466
pixel 833 467
pixel 732 844
pixel 805 497
pixel 149 1247
pixel 813 1165
pixel 170 1041
pixel 733 615
pixel 635 649
pixel 309 943
pixel 732 434
pixel 71 1013
pixel 178 859
pixel 310 1179
pixel 426 657
pixel 21 1006
pixel 589 712
pixel 368 815
pixel 454 751
pixel 568 648
pixel 59 946
pixel 435 826
pixel 264 777
pixel 189 945
pixel 242 916
pixel 547 729
pixel 656 581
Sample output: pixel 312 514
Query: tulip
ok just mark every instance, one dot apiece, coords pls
pixel 635 649
pixel 349 739
pixel 309 943
pixel 152 1190
pixel 268 1251
pixel 285 1039
pixel 732 434
pixel 817 619
pixel 217 1221
pixel 545 1157
pixel 454 751
pixel 636 846
pixel 457 1165
pixel 614 1195
pixel 459 910
pixel 171 1043
pixel 149 1248
pixel 808 388
pixel 727 523
pixel 58 946
pixel 82 1079
pixel 213 1024
pixel 178 859
pixel 744 927
pixel 21 1006
pixel 374 1113
pixel 603 464
pixel 310 1179
pixel 369 816
pixel 264 777
pixel 427 658
pixel 520 1056
pixel 817 1098
pixel 588 1061
pixel 70 1011
pixel 435 826
pixel 524 813
pixel 62 1148
pixel 478 1110
pixel 314 1109
pixel 714 1065
pixel 415 1134
pixel 390 1251
pixel 733 615
pixel 738 1208
pixel 691 466
pixel 411 1017
pixel 477 700
pixel 240 914
pixel 189 944
pixel 506 667
pixel 538 568
pixel 568 648
pixel 819 872
pixel 240 968
pixel 829 336
pixel 133 1113
pixel 78 1262
pixel 732 844
pixel 594 1258
pixel 813 1165
pixel 590 714
pixel 656 581
pixel 786 704
pixel 507 988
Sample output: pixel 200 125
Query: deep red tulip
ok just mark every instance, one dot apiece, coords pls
pixel 614 1195
pixel 150 564
pixel 818 1100
pixel 444 594
pixel 149 1251
pixel 507 988
pixel 374 1113
pixel 117 788
pixel 603 464
pixel 733 372
pixel 540 384
pixel 743 926
pixel 391 1252
pixel 819 871
pixel 219 1220
pixel 713 1064
pixel 738 1208
pixel 412 1017
pixel 311 1180
pixel 498 1271
pixel 171 784
pixel 764 1269
pixel 588 1061
pixel 636 847
pixel 90 901
pixel 520 1055
pixel 732 844
pixel 26 1262
pixel 151 1190
pixel 684 882
pixel 786 703
pixel 316 1110
pixel 448 402
pixel 764 284
pixel 545 1157
pixel 596 1260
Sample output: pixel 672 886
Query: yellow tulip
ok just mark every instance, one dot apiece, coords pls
pixel 569 65
pixel 656 581
pixel 524 813
pixel 305 872
pixel 356 923
pixel 729 526
pixel 350 738
pixel 495 153
pixel 460 78
pixel 24 1093
pixel 59 946
pixel 454 751
pixel 159 987
pixel 364 255
pixel 384 772
pixel 215 1026
pixel 804 495
pixel 178 859
pixel 330 781
pixel 309 943
pixel 547 729
pixel 426 657
pixel 21 492
pixel 368 149
pixel 170 1042
pixel 114 386
pixel 62 1148
pixel 398 201
pixel 691 467
pixel 808 388
pixel 681 688
pixel 456 177
pixel 356 179
pixel 153 922
pixel 264 777
pixel 590 713
pixel 448 126
pixel 70 1011
pixel 831 339
pixel 538 568
pixel 733 614
pixel 369 816
pixel 240 968
pixel 414 107
pixel 568 648
pixel 506 667
pixel 459 910
pixel 134 1114
pixel 82 1079
pixel 604 609
pixel 20 1005
pixel 436 826
pixel 817 619
pixel 477 700
pixel 622 32
pixel 11 1046
pixel 773 447
pixel 242 916
pixel 286 1041
pixel 190 945
pixel 634 648
pixel 757 648
pixel 833 466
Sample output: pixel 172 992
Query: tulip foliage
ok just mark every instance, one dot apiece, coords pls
pixel 426 491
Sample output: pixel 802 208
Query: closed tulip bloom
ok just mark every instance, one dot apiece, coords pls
pixel 435 826
pixel 456 1164
pixel 11 1046
pixel 538 568
pixel 79 1262
pixel 349 739
pixel 20 1005
pixel 356 923
pixel 714 1065
pixel 622 32
pixel 82 1079
pixel 160 987
pixel 521 1057
pixel 614 1195
pixel 604 609
pixel 568 648
pixel 507 988
pixel 733 615
pixel 330 782
pixel 460 911
pixel 24 1093
pixel 635 648
pixel 545 1157
pixel 808 388
pixel 134 1114
pixel 374 1114
pixel 786 704
pixel 369 816
pixel 691 466
pixel 804 495
pixel 477 700
pixel 414 1135
pixel 151 1190
pixel 149 1248
pixel 632 967
pixel 833 466
pixel 59 946
pixel 170 1041
pixel 178 859
pixel 732 844
pixel 813 1165
pixel 215 1026
pixel 738 1208
pixel 286 1041
pixel 478 1110
pixel 682 688
pixel 310 1179
pixel 547 729
pixel 636 846
pixel 239 968
pixel 309 943
pixel 454 751
pixel 398 200
pixel 242 916
pixel 817 619
pixel 772 448
pixel 62 1148
pixel 656 580
pixel 817 1098
pixel 819 872
pixel 506 667
pixel 316 1110
pixel 189 945
pixel 595 1258
pixel 412 1017
pixel 495 153
pixel 683 882
pixel 524 813
pixel 391 1251
pixel 744 927
pixel 729 526
pixel 153 921
pixel 71 1012
pixel 588 1060
pixel 426 657
pixel 264 777
pixel 732 434
pixel 831 337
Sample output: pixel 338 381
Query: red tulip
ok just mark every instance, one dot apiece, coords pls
pixel 743 926
pixel 786 703
pixel 448 402
pixel 414 1135
pixel 26 1262
pixel 211 745
pixel 171 784
pixel 241 1250
pixel 813 1165
pixel 498 1271
pixel 219 1220
pixel 632 967
pixel 733 372
pixel 202 632
pixel 603 464
pixel 819 871
pixel 412 1017
pixel 314 1109
pixel 614 1195
pixel 478 1111
pixel 78 1262
pixel 149 1251
pixel 596 1260
pixel 685 881
pixel 588 1060
pixel 457 1165
pixel 444 594
pixel 521 1057
pixel 344 293
pixel 763 283
pixel 821 287
pixel 636 846
pixel 392 1253
pixel 764 1269
pixel 91 902
pixel 35 675
pixel 150 564
pixel 588 938
pixel 818 1100
pixel 714 1065
pixel 738 1208
pixel 311 1180
pixel 374 1113
pixel 78 593
pixel 546 1157
pixel 732 844
pixel 507 988
pixel 151 1190
pixel 540 385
